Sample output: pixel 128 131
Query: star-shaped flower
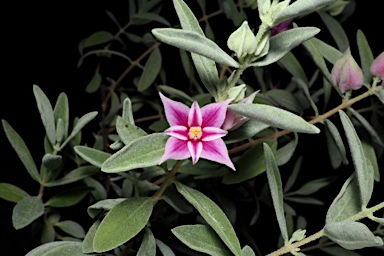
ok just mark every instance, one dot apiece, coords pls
pixel 195 132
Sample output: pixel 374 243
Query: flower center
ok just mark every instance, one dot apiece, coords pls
pixel 195 133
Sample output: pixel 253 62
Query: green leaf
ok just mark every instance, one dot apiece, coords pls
pixel 26 211
pixel 145 151
pixel 71 227
pixel 368 127
pixel 47 233
pixel 283 42
pixel 292 178
pixel 300 8
pixel 122 223
pixel 304 87
pixel 175 92
pixel 284 98
pixel 75 175
pixel 194 42
pixel 12 193
pixel 285 153
pixel 364 174
pixel 304 200
pixel 164 249
pixel 58 248
pixel 213 215
pixel 346 203
pixel 94 84
pixel 127 131
pixel 52 162
pixel 103 205
pixel 336 30
pixel 99 37
pixel 245 131
pixel 247 251
pixel 351 235
pixel 313 186
pixel 21 150
pixel 275 185
pixel 151 70
pixel 68 197
pixel 46 113
pixel 338 251
pixel 149 16
pixel 176 201
pixel 88 239
pixel 127 111
pixel 91 155
pixel 370 154
pixel 274 116
pixel 335 145
pixel 329 52
pixel 85 119
pixel 201 238
pixel 98 192
pixel 61 111
pixel 148 245
pixel 293 66
pixel 366 56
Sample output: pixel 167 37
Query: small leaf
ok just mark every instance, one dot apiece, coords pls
pixel 245 131
pixel 366 56
pixel 88 239
pixel 275 185
pixel 274 116
pixel 68 197
pixel 145 151
pixel 122 223
pixel 247 251
pixel 99 37
pixel 127 131
pixel 194 42
pixel 292 178
pixel 307 94
pixel 61 111
pixel 201 238
pixel 336 30
pixel 103 205
pixel 91 155
pixel 351 235
pixel 148 245
pixel 149 16
pixel 94 84
pixel 98 192
pixel 293 66
pixel 46 113
pixel 285 153
pixel 75 175
pixel 329 52
pixel 304 200
pixel 164 249
pixel 12 193
pixel 127 111
pixel 71 227
pixel 175 92
pixel 151 70
pixel 21 150
pixel 313 186
pixel 213 215
pixel 47 233
pixel 62 248
pixel 26 211
pixel 335 143
pixel 285 99
pixel 176 201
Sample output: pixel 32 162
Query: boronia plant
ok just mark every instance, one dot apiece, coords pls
pixel 199 177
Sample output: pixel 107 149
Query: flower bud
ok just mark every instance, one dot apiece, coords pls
pixel 242 41
pixel 377 67
pixel 346 74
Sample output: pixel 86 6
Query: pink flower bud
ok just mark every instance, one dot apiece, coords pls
pixel 346 74
pixel 377 68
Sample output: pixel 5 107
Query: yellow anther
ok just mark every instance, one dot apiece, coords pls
pixel 195 133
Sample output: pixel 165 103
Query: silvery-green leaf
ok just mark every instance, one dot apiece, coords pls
pixel 61 111
pixel 98 192
pixel 329 52
pixel 368 127
pixel 143 152
pixel 194 42
pixel 52 162
pixel 176 201
pixel 103 205
pixel 75 175
pixel 346 203
pixel 122 223
pixel 293 66
pixel 275 117
pixel 127 131
pixel 62 248
pixel 284 154
pixel 88 239
pixel 285 99
pixel 47 232
pixel 11 192
pixel 175 92
pixel 366 56
pixel 351 235
pixel 159 125
pixel 364 174
pixel 335 137
pixel 201 238
pixel 91 155
pixel 369 152
pixel 21 150
pixel 227 205
pixel 283 42
pixel 313 186
pixel 298 235
pixel 127 111
pixel 26 211
pixel 151 172
pixel 299 8
pixel 275 186
pixel 245 131
pixel 213 215
pixel 59 130
pixel 338 251
pixel 164 249
pixel 94 84
pixel 151 70
pixel 71 227
pixel 85 119
pixel 336 30
pixel 114 107
pixel 304 200
pixel 148 245
pixel 149 16
pixel 292 178
pixel 68 197
pixel 247 251
pixel 304 88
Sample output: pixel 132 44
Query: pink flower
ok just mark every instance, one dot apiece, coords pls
pixel 377 67
pixel 283 26
pixel 232 120
pixel 195 132
pixel 346 74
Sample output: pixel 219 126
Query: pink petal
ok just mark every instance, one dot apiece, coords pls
pixel 212 133
pixel 178 131
pixel 214 114
pixel 195 148
pixel 175 112
pixel 229 120
pixel 175 149
pixel 249 99
pixel 377 67
pixel 194 116
pixel 215 150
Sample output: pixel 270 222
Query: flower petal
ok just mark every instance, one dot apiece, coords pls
pixel 230 119
pixel 178 131
pixel 195 149
pixel 175 112
pixel 194 116
pixel 250 98
pixel 212 133
pixel 175 149
pixel 214 114
pixel 215 150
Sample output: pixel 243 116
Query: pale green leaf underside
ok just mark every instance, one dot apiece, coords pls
pixel 58 248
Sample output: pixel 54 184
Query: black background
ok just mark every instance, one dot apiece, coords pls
pixel 39 46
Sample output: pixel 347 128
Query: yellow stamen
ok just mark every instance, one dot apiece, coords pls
pixel 195 133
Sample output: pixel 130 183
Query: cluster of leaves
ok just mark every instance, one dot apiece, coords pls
pixel 135 201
